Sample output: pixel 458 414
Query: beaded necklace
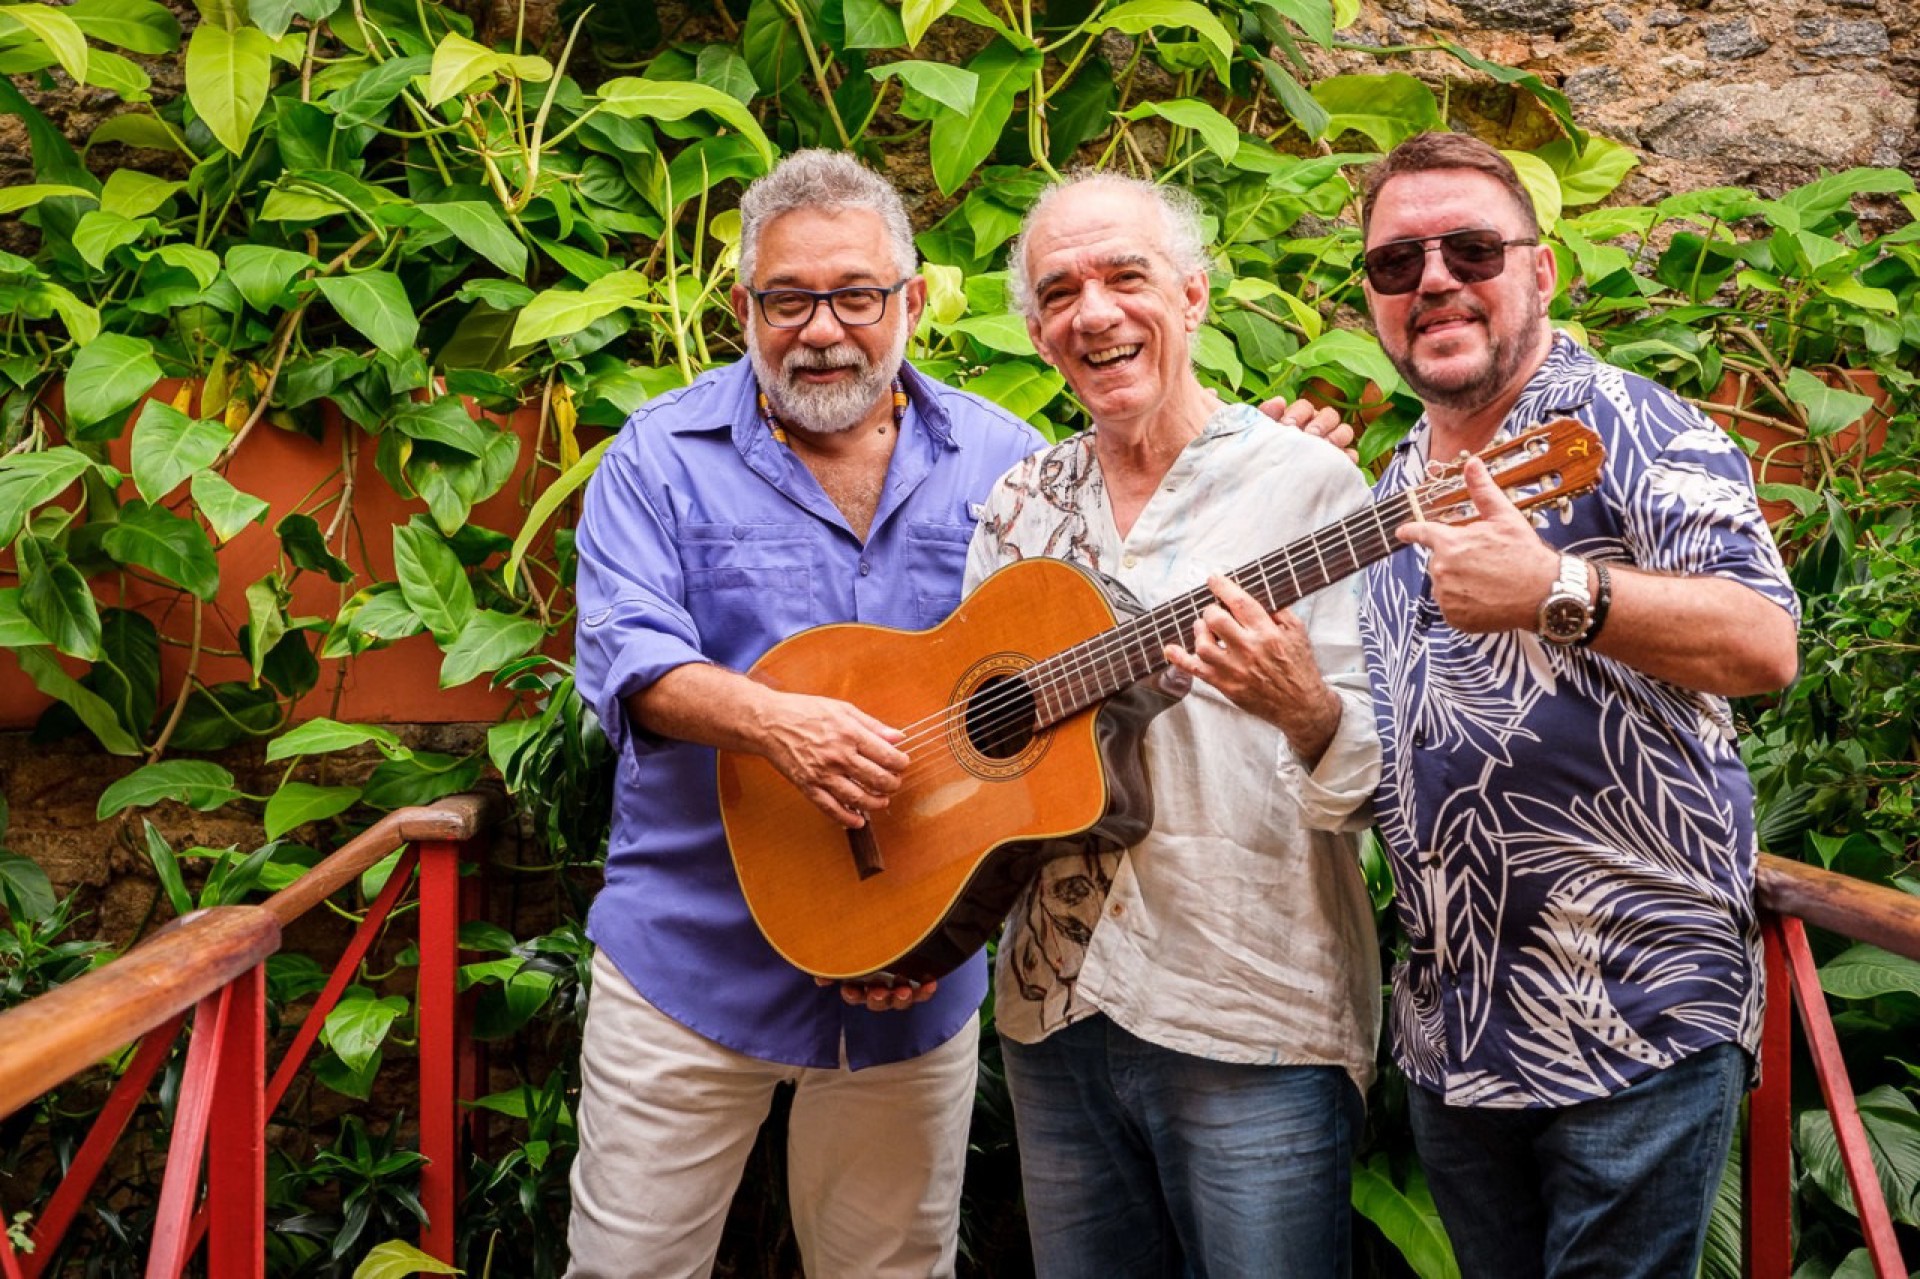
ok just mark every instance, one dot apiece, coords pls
pixel 780 432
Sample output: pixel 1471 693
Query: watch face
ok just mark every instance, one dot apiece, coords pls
pixel 1564 620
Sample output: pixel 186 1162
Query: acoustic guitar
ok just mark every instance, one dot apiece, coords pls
pixel 1023 713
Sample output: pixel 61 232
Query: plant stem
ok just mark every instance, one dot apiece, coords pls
pixel 187 681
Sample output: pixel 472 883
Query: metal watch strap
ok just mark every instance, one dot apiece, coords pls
pixel 1602 600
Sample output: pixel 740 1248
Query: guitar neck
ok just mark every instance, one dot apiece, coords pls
pixel 1095 669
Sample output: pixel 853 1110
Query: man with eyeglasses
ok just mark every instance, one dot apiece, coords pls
pixel 1570 825
pixel 819 479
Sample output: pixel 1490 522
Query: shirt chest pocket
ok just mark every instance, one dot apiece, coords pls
pixel 936 561
pixel 747 586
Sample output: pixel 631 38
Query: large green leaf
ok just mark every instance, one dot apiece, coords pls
pixel 1215 130
pixel 1388 108
pixel 459 62
pixel 263 273
pixel 375 303
pixel 559 312
pixel 1592 173
pixel 873 25
pixel 266 621
pixel 318 736
pixel 29 479
pixel 306 546
pixel 917 15
pixel 168 446
pixel 15 198
pixel 99 233
pixel 138 26
pixel 133 194
pixel 1354 352
pixel 228 76
pixel 53 29
pixel 175 548
pixel 488 641
pixel 17 630
pixel 355 1029
pixel 1137 16
pixel 1406 1216
pixel 952 87
pixel 481 228
pixel 1827 409
pixel 630 96
pixel 108 375
pixel 47 675
pixel 276 16
pixel 55 598
pixel 1019 387
pixel 395 1259
pixel 194 782
pixel 432 581
pixel 1298 103
pixel 1893 1138
pixel 959 143
pixel 226 508
pixel 1867 972
pixel 297 803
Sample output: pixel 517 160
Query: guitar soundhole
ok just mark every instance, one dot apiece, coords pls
pixel 1000 717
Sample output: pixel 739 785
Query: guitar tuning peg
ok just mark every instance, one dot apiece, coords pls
pixel 1565 507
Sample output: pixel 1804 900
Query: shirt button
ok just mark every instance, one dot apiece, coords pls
pixel 1117 910
pixel 1453 981
pixel 1420 737
pixel 1129 561
pixel 865 568
pixel 740 532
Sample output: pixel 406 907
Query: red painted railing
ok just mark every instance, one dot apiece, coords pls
pixel 212 964
pixel 1791 896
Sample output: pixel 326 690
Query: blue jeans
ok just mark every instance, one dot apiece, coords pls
pixel 1139 1161
pixel 1612 1189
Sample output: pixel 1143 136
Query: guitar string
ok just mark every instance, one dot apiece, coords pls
pixel 1054 681
pixel 1041 686
pixel 1062 681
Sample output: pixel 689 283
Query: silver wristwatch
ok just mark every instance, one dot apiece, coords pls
pixel 1567 611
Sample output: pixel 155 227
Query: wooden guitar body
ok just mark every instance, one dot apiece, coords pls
pixel 984 802
pixel 1023 715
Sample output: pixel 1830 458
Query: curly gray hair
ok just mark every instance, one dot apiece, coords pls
pixel 1183 244
pixel 819 179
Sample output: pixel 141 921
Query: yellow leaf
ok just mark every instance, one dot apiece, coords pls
pixel 566 418
pixel 183 398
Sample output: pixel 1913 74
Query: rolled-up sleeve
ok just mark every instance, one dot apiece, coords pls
pixel 1337 793
pixel 633 623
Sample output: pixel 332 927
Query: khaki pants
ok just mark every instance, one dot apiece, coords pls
pixel 668 1117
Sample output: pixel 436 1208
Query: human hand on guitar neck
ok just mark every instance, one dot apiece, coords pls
pixel 1490 574
pixel 1262 663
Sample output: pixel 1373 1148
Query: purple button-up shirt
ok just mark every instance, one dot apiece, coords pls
pixel 705 540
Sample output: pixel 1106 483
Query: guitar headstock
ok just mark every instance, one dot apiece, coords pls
pixel 1563 457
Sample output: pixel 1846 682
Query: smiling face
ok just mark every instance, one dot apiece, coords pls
pixel 827 377
pixel 1111 311
pixel 1461 347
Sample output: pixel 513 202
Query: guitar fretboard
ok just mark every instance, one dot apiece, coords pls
pixel 1095 669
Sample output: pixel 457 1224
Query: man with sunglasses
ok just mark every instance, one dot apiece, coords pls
pixel 1570 825
pixel 818 479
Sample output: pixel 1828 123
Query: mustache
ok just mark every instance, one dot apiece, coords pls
pixel 1424 307
pixel 839 355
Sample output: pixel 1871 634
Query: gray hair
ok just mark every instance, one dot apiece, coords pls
pixel 819 179
pixel 1183 240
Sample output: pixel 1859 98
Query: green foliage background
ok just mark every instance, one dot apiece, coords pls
pixel 372 212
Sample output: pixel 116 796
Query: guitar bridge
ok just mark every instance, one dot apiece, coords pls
pixel 866 851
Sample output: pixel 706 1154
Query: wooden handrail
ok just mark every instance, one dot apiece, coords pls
pixel 456 818
pixel 1872 913
pixel 55 1036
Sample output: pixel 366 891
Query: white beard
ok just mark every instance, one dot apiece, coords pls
pixel 832 408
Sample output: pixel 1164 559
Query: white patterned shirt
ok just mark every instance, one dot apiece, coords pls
pixel 1572 841
pixel 1240 929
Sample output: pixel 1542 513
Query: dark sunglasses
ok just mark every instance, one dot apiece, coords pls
pixel 1471 256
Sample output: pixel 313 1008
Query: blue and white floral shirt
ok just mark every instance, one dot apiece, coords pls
pixel 1572 840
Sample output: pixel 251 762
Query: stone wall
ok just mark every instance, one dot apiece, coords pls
pixel 1762 93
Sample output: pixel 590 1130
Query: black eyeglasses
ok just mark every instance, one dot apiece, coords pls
pixel 855 306
pixel 1471 256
